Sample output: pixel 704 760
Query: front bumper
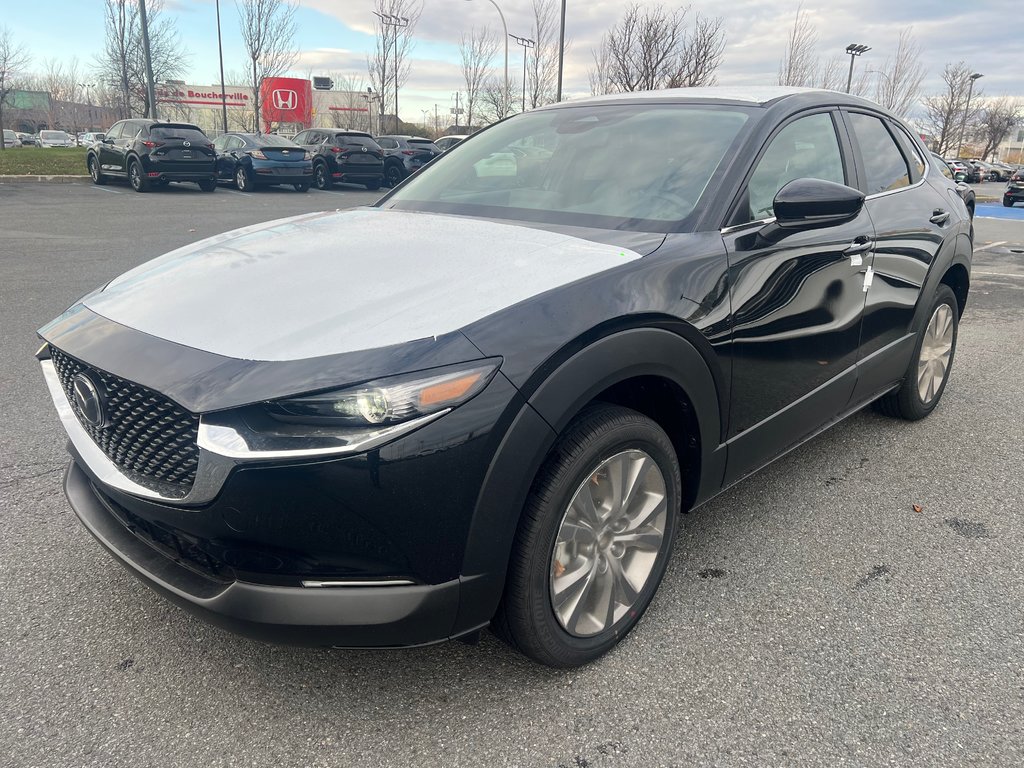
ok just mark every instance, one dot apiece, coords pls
pixel 350 616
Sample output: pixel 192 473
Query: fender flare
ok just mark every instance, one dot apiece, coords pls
pixel 533 429
pixel 957 252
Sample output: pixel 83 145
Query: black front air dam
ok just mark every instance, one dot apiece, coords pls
pixel 355 617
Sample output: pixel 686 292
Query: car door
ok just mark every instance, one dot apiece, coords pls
pixel 106 153
pixel 225 163
pixel 911 218
pixel 119 149
pixel 797 300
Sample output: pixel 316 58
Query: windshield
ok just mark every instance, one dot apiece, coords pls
pixel 621 166
pixel 54 135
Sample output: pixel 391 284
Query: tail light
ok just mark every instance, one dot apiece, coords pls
pixel 410 151
pixel 152 144
pixel 257 153
pixel 337 150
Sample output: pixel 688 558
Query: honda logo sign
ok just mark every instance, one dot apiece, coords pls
pixel 285 99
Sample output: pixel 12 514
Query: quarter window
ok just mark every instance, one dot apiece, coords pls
pixel 806 148
pixel 884 164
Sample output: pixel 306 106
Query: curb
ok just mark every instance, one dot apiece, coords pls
pixel 54 179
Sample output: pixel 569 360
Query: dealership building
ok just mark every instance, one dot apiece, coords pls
pixel 289 105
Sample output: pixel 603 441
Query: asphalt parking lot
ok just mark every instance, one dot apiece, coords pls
pixel 810 616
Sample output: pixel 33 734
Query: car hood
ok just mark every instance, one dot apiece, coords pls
pixel 329 283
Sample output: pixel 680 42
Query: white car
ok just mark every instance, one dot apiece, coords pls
pixel 55 139
pixel 447 142
pixel 87 139
pixel 11 139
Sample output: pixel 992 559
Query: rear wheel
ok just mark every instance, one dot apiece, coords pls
pixel 1007 202
pixel 594 540
pixel 137 178
pixel 208 185
pixel 928 373
pixel 321 176
pixel 243 181
pixel 94 171
pixel 393 175
pixel 303 187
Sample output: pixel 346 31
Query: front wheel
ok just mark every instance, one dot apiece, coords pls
pixel 302 187
pixel 928 373
pixel 94 171
pixel 373 186
pixel 594 540
pixel 1007 202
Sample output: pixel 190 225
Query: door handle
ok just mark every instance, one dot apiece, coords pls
pixel 859 246
pixel 939 217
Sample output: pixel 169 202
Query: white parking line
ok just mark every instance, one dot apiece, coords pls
pixel 106 189
pixel 989 245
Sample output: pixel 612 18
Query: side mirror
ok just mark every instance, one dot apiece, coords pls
pixel 107 141
pixel 815 203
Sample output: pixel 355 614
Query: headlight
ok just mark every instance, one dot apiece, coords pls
pixel 391 400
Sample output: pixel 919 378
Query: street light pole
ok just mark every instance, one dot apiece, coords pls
pixel 220 53
pixel 855 50
pixel 390 20
pixel 527 43
pixel 150 85
pixel 504 26
pixel 967 109
pixel 561 53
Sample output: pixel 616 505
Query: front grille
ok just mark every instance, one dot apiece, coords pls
pixel 150 438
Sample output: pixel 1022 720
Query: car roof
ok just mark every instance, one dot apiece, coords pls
pixel 755 95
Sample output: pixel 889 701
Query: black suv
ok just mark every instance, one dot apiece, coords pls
pixel 148 152
pixel 343 156
pixel 404 155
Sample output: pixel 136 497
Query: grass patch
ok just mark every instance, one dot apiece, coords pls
pixel 57 161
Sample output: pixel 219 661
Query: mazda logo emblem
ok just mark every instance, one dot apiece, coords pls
pixel 363 148
pixel 88 400
pixel 186 143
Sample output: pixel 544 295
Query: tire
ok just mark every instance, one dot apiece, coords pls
pixel 373 186
pixel 243 181
pixel 136 177
pixel 94 171
pixel 1007 202
pixel 580 624
pixel 322 176
pixel 393 175
pixel 303 187
pixel 208 185
pixel 936 343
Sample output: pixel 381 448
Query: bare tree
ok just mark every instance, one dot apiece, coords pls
pixel 354 105
pixel 947 111
pixel 900 78
pixel 477 49
pixel 799 64
pixel 389 64
pixel 652 47
pixel 268 32
pixel 542 62
pixel 121 62
pixel 600 74
pixel 496 103
pixel 700 55
pixel 998 117
pixel 14 58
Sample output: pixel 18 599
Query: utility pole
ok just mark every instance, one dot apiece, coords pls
pixel 390 20
pixel 967 110
pixel 527 43
pixel 220 53
pixel 150 85
pixel 437 130
pixel 561 53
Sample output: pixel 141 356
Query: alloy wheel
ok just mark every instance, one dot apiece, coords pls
pixel 136 176
pixel 936 351
pixel 608 543
pixel 241 180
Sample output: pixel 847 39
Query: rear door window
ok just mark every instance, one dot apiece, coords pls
pixel 884 165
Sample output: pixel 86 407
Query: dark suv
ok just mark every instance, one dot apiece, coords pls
pixel 404 155
pixel 343 156
pixel 1014 192
pixel 148 152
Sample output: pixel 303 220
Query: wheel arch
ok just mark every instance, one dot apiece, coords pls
pixel 642 368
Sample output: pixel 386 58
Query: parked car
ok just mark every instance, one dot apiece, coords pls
pixel 11 138
pixel 1014 192
pixel 49 139
pixel 487 399
pixel 1001 171
pixel 30 140
pixel 254 160
pixel 966 193
pixel 986 170
pixel 147 152
pixel 91 137
pixel 447 142
pixel 404 155
pixel 972 173
pixel 352 157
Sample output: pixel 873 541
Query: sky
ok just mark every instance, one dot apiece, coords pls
pixel 336 36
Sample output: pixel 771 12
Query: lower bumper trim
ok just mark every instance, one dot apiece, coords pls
pixel 363 617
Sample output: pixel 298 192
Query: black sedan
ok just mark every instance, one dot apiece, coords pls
pixel 253 160
pixel 487 399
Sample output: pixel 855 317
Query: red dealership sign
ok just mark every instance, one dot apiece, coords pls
pixel 286 100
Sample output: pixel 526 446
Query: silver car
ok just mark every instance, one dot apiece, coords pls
pixel 55 139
